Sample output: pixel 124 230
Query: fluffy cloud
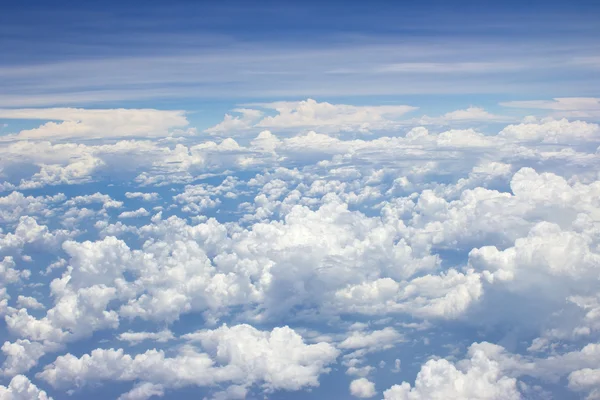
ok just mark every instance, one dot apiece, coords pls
pixel 16 205
pixel 29 302
pixel 21 388
pixel 477 377
pixel 395 247
pixel 586 380
pixel 143 196
pixel 555 131
pixel 362 388
pixel 432 296
pixel 278 359
pixel 21 356
pixel 104 199
pixel 140 212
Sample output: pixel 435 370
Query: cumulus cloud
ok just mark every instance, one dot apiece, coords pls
pixel 318 251
pixel 362 388
pixel 153 196
pixel 477 377
pixel 104 199
pixel 555 131
pixel 21 388
pixel 140 212
pixel 278 359
pixel 29 302
pixel 16 205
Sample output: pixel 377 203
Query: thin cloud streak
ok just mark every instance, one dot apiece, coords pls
pixel 260 71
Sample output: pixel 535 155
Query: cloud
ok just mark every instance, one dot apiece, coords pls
pixel 376 340
pixel 312 114
pixel 140 212
pixel 319 252
pixel 143 391
pixel 143 196
pixel 568 107
pixel 248 118
pixel 94 124
pixel 278 359
pixel 470 114
pixel 558 132
pixel 21 388
pixel 138 337
pixel 586 380
pixel 29 302
pixel 16 205
pixel 104 199
pixel 447 295
pixel 477 377
pixel 448 67
pixel 362 388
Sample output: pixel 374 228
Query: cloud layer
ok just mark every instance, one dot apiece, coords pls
pixel 423 262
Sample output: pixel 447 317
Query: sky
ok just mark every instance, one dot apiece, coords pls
pixel 299 200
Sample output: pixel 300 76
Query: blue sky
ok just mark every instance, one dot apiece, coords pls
pixel 207 56
pixel 293 200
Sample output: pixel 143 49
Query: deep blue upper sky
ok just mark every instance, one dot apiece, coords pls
pixel 36 31
pixel 195 55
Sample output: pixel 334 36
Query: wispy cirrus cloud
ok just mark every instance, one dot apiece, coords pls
pixel 370 66
pixel 570 107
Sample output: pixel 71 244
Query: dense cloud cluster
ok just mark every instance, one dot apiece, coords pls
pixel 342 253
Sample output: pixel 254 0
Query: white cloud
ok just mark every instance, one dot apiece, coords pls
pixel 29 302
pixel 554 131
pixel 248 118
pixel 470 114
pixel 278 359
pixel 21 356
pixel 29 232
pixel 140 212
pixel 16 205
pixel 143 391
pixel 93 124
pixel 376 340
pixel 9 273
pixel 138 337
pixel 21 388
pixel 312 114
pixel 144 196
pixel 362 388
pixel 586 380
pixel 476 378
pixel 361 245
pixel 447 295
pixel 104 199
